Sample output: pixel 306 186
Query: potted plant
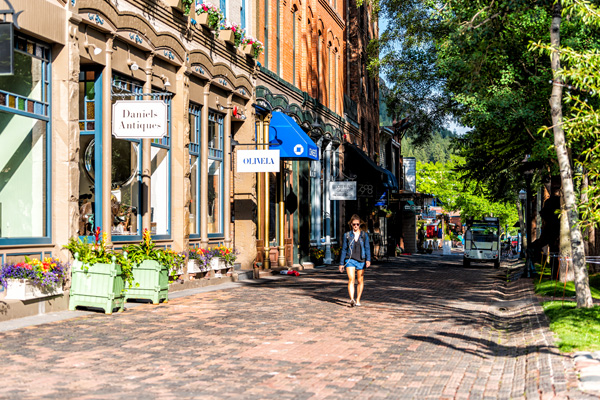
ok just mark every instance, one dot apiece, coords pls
pixel 33 278
pixel 252 47
pixel 316 255
pixel 231 33
pixel 98 274
pixel 175 262
pixel 209 15
pixel 150 267
pixel 199 260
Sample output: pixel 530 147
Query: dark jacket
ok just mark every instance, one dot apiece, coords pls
pixel 348 244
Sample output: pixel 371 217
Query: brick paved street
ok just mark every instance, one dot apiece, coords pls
pixel 428 328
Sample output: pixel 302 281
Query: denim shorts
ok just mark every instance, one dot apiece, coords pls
pixel 355 264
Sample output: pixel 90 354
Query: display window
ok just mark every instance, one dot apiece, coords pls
pixel 215 174
pixel 25 154
pixel 195 119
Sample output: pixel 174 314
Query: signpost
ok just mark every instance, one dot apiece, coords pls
pixel 342 190
pixel 139 119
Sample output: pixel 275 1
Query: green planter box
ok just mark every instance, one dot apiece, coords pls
pixel 101 286
pixel 153 280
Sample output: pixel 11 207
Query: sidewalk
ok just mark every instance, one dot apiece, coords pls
pixel 428 328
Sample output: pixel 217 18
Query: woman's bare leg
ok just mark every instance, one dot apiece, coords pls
pixel 350 272
pixel 360 274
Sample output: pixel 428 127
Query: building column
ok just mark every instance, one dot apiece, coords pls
pixel 107 139
pixel 327 203
pixel 281 207
pixel 146 200
pixel 267 202
pixel 227 195
pixel 204 170
pixel 259 177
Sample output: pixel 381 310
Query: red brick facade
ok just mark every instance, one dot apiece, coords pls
pixel 307 49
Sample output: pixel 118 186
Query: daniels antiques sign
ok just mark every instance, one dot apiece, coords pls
pixel 258 161
pixel 139 119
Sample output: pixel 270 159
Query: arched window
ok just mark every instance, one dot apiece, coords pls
pixel 266 34
pixel 294 45
pixel 278 30
pixel 319 66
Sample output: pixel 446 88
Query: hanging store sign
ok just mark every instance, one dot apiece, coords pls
pixel 258 161
pixel 139 119
pixel 342 190
pixel 6 49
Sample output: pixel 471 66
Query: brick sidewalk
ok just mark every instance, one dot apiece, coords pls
pixel 428 329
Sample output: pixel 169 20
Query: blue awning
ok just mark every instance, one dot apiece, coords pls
pixel 291 141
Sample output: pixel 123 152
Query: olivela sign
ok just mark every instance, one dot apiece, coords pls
pixel 139 119
pixel 258 161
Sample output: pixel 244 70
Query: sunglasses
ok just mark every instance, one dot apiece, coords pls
pixel 355 224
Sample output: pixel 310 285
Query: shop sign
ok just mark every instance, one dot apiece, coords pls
pixel 365 190
pixel 412 208
pixel 410 174
pixel 258 161
pixel 6 49
pixel 139 119
pixel 342 190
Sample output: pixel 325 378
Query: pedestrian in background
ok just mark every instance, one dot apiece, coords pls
pixel 356 255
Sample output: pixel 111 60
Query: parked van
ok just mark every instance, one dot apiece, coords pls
pixel 482 241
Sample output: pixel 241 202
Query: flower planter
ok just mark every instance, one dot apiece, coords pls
pixel 218 263
pixel 227 36
pixel 174 3
pixel 193 266
pixel 23 289
pixel 202 19
pixel 248 50
pixel 99 285
pixel 150 281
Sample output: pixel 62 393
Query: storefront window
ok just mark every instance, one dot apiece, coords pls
pixel 89 85
pixel 195 113
pixel 161 177
pixel 22 176
pixel 125 196
pixel 215 173
pixel 24 145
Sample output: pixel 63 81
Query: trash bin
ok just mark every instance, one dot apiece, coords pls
pixel 391 246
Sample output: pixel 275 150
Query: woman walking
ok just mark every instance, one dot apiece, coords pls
pixel 356 255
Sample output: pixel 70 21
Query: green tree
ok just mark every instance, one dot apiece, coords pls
pixel 442 181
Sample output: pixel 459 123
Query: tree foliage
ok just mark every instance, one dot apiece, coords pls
pixel 442 180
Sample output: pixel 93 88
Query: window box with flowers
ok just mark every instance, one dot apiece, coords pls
pixel 252 47
pixel 209 15
pixel 98 274
pixel 183 5
pixel 150 268
pixel 33 279
pixel 316 255
pixel 231 33
pixel 223 259
pixel 199 260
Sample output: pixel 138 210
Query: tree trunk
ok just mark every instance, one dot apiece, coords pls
pixel 566 265
pixel 582 284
